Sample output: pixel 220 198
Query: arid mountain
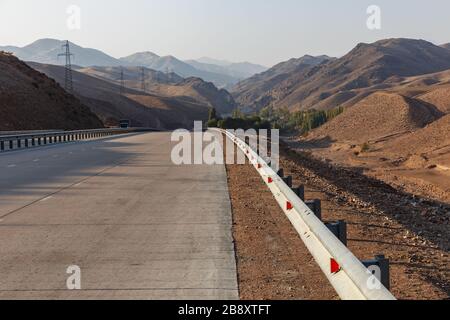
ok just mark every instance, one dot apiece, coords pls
pixel 403 141
pixel 29 100
pixel 347 80
pixel 143 109
pixel 199 90
pixel 172 64
pixel 257 92
pixel 168 85
pixel 446 46
pixel 46 51
pixel 242 70
pixel 132 74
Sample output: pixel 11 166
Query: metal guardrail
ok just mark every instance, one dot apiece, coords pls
pixel 26 140
pixel 347 274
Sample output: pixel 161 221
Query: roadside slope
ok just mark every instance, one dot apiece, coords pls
pixel 143 109
pixel 30 100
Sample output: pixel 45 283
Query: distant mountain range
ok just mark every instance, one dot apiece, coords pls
pixel 324 83
pixel 242 70
pixel 223 75
pixel 47 50
pixel 167 85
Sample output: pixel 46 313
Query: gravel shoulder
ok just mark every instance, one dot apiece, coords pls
pixel 273 263
pixel 412 232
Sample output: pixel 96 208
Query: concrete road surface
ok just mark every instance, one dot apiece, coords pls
pixel 137 226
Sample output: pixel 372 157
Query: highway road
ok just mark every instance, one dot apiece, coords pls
pixel 136 225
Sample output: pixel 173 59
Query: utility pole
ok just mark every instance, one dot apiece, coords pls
pixel 143 79
pixel 68 82
pixel 168 75
pixel 122 83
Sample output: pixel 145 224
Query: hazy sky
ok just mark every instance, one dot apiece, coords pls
pixel 260 31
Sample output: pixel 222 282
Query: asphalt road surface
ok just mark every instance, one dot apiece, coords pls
pixel 137 226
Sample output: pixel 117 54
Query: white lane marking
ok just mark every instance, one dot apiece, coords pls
pixel 78 184
pixel 12 165
pixel 45 199
pixel 35 160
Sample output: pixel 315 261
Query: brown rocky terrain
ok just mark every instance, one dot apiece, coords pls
pixel 379 115
pixel 143 109
pixel 410 231
pixel 347 80
pixel 29 100
pixel 168 85
pixel 402 141
pixel 439 97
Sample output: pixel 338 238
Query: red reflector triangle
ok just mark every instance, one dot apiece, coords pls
pixel 259 165
pixel 270 180
pixel 335 267
pixel 289 206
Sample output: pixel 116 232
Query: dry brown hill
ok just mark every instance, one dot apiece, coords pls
pixel 29 100
pixel 380 115
pixel 433 137
pixel 347 80
pixel 262 89
pixel 439 97
pixel 143 109
pixel 168 85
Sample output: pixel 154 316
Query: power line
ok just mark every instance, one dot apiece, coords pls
pixel 68 81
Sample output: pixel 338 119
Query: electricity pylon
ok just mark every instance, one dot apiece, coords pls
pixel 143 79
pixel 68 82
pixel 122 82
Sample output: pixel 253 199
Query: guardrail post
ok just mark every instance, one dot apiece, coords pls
pixel 26 142
pixel 11 145
pixel 315 206
pixel 288 181
pixel 300 192
pixel 2 145
pixel 19 143
pixel 280 173
pixel 382 263
pixel 33 141
pixel 339 229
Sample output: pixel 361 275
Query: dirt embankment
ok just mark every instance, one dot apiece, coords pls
pixel 273 263
pixel 411 231
pixel 29 100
